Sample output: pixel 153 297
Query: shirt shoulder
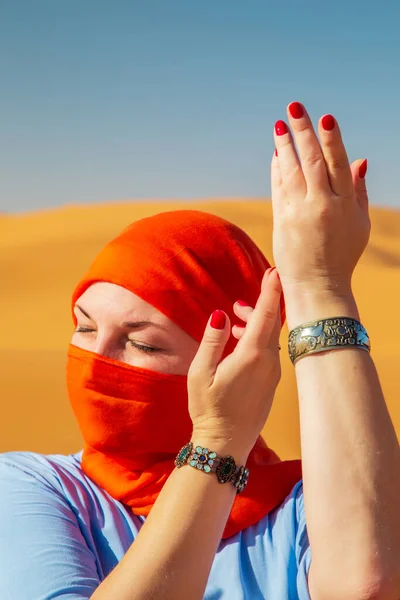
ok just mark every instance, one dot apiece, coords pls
pixel 43 552
pixel 57 473
pixel 47 469
pixel 57 481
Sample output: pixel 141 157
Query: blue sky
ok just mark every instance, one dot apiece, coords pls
pixel 106 100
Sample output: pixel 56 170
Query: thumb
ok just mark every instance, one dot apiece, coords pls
pixel 211 347
pixel 359 171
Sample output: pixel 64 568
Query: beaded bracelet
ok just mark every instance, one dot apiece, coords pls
pixel 207 461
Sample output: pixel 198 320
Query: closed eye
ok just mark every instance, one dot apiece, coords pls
pixel 140 347
pixel 143 348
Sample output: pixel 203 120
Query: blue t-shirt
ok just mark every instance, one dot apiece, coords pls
pixel 61 535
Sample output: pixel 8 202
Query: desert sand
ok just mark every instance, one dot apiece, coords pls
pixel 42 256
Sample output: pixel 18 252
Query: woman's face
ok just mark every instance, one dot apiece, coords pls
pixel 116 323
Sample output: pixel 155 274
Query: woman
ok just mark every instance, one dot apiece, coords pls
pixel 142 316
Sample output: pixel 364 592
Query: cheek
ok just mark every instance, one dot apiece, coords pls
pixel 153 362
pixel 186 355
pixel 84 342
pixel 173 364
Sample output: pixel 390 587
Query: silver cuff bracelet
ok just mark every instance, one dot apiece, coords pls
pixel 327 334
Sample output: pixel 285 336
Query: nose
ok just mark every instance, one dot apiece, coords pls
pixel 106 345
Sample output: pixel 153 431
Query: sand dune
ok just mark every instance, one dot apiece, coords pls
pixel 43 254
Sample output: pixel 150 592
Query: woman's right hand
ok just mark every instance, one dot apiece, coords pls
pixel 320 209
pixel 229 400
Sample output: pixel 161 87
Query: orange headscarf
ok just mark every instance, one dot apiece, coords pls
pixel 134 421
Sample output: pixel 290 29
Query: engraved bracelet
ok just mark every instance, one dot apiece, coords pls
pixel 327 334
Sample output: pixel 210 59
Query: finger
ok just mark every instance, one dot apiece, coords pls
pixel 276 184
pixel 358 172
pixel 276 178
pixel 276 332
pixel 238 331
pixel 289 165
pixel 265 280
pixel 310 153
pixel 280 317
pixel 335 155
pixel 282 313
pixel 212 346
pixel 242 310
pixel 261 327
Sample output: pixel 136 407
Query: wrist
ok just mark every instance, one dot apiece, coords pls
pixel 222 445
pixel 303 306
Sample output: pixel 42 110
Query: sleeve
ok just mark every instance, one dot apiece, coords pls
pixel 43 555
pixel 303 550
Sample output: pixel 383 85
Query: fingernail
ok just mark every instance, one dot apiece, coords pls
pixel 362 171
pixel 296 110
pixel 328 122
pixel 274 269
pixel 218 319
pixel 242 303
pixel 281 128
pixel 276 152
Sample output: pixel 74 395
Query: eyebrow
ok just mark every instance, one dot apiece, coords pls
pixel 129 324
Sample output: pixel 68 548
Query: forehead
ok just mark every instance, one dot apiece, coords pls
pixel 105 298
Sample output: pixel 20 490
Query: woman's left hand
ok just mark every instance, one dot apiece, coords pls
pixel 230 399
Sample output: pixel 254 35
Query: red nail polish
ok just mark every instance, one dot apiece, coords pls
pixel 296 110
pixel 328 122
pixel 362 171
pixel 242 303
pixel 277 274
pixel 281 128
pixel 276 152
pixel 218 319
